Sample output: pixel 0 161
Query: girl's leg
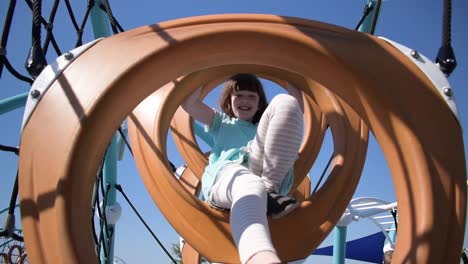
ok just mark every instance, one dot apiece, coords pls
pixel 276 144
pixel 246 196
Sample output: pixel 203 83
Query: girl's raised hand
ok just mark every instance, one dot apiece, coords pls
pixel 194 106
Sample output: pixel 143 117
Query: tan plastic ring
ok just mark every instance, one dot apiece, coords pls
pixel 145 118
pixel 69 130
pixel 315 125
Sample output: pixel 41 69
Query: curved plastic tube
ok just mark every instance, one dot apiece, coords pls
pixel 207 238
pixel 59 161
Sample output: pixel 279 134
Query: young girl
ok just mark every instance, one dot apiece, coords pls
pixel 251 164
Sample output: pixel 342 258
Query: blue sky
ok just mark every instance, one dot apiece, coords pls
pixel 416 24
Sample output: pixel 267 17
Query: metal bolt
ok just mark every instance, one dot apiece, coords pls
pixel 414 54
pixel 35 93
pixel 448 91
pixel 68 55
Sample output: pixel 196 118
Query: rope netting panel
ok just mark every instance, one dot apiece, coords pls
pixel 45 46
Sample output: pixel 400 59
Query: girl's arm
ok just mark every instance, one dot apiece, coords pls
pixel 296 93
pixel 197 109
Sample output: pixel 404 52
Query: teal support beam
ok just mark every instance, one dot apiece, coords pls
pixel 100 22
pixel 370 22
pixel 8 208
pixel 339 246
pixel 13 103
pixel 110 178
pixel 6 242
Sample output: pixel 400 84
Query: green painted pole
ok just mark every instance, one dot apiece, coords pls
pixel 13 103
pixel 370 22
pixel 110 178
pixel 100 22
pixel 339 248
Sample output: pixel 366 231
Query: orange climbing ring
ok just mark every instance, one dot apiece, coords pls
pixel 370 83
pixel 349 145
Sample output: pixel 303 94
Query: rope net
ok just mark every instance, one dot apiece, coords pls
pixel 42 45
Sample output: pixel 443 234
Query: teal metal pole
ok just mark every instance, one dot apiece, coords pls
pixel 8 208
pixel 100 22
pixel 12 103
pixel 370 22
pixel 5 242
pixel 339 246
pixel 110 177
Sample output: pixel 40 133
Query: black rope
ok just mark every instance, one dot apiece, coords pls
pixel 12 70
pixel 367 10
pixel 323 174
pixel 95 200
pixel 464 257
pixel 119 188
pixel 9 149
pixel 103 222
pixel 395 219
pixel 447 23
pixel 114 24
pixel 6 33
pixel 99 185
pixel 80 29
pixel 36 61
pixel 71 14
pixel 14 196
pixel 49 26
pixel 446 57
pixel 122 134
pixel 31 6
pixel 9 226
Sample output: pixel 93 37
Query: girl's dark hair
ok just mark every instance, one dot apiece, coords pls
pixel 242 82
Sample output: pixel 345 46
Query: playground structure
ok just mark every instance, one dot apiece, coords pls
pixel 382 214
pixel 347 112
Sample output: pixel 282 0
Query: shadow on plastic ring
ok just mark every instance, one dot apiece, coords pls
pixel 66 136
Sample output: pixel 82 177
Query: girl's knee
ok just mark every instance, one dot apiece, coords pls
pixel 286 101
pixel 249 185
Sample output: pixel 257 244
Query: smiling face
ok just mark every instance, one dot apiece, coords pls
pixel 244 104
pixel 243 97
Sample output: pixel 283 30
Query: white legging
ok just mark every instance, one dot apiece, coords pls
pixel 244 190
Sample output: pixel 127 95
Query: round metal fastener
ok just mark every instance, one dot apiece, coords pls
pixel 35 93
pixel 414 54
pixel 448 91
pixel 68 55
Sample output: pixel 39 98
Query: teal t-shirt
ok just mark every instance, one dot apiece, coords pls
pixel 230 137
